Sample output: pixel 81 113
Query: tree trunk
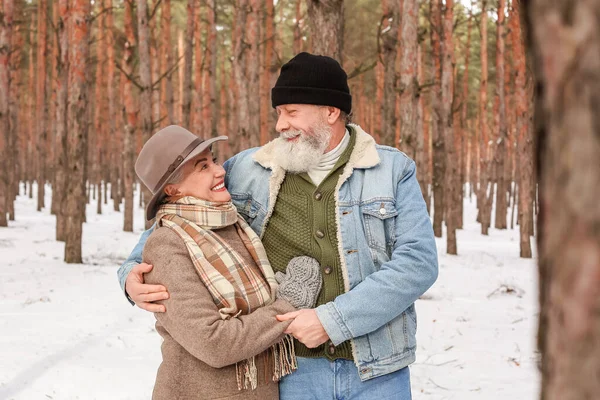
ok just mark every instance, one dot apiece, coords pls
pixel 209 78
pixel 378 127
pixel 167 63
pixel 509 164
pixel 484 192
pixel 500 156
pixel 421 154
pixel 186 102
pixel 426 122
pixel 54 56
pixel 439 155
pixel 31 126
pixel 464 116
pixel 452 194
pixel 241 60
pixel 298 41
pixel 15 74
pixel 252 73
pixel 198 122
pixel 41 105
pixel 146 83
pixel 98 135
pixel 100 198
pixel 6 27
pixel 327 27
pixel 77 128
pixel 234 143
pixel 131 118
pixel 389 38
pixel 515 199
pixel 62 67
pixel 265 77
pixel 564 39
pixel 155 65
pixel 223 111
pixel 524 145
pixel 113 134
pixel 409 80
pixel 178 83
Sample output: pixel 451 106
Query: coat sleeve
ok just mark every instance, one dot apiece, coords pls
pixel 134 259
pixel 412 269
pixel 192 318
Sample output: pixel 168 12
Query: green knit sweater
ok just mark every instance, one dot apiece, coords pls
pixel 303 223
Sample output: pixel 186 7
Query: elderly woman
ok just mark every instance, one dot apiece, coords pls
pixel 221 338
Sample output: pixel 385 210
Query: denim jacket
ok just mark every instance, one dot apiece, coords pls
pixel 385 241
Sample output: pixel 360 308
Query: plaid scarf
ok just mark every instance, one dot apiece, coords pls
pixel 235 287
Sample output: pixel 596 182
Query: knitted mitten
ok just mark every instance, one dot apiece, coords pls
pixel 301 283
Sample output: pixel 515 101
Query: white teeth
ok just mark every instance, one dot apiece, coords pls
pixel 219 186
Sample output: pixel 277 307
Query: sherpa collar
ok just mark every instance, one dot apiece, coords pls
pixel 364 154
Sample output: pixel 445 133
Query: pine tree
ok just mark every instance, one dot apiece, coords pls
pixel 564 39
pixel 77 131
pixel 6 28
pixel 452 185
pixel 326 18
pixel 131 111
pixel 389 49
pixel 409 80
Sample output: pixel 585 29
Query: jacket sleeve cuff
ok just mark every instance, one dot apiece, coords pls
pixel 123 271
pixel 333 323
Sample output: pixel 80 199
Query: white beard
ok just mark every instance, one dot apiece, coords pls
pixel 304 154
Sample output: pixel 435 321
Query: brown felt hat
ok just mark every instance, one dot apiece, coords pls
pixel 163 155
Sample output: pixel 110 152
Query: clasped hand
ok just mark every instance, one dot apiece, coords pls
pixel 306 327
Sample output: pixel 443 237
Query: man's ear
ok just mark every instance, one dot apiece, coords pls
pixel 333 114
pixel 171 190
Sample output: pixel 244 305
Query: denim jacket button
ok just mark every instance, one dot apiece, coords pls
pixel 382 211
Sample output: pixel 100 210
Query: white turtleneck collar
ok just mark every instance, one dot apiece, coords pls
pixel 328 161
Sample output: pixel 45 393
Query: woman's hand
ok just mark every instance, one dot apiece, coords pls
pixel 143 295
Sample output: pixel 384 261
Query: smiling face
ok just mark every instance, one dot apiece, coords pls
pixel 304 136
pixel 203 179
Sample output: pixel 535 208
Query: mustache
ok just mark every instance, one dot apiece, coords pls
pixel 290 134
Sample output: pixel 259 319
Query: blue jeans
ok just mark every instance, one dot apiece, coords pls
pixel 321 379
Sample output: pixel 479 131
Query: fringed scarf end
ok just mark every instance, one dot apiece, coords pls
pixel 246 373
pixel 284 355
pixel 284 363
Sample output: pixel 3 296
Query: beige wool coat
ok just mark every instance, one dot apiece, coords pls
pixel 200 349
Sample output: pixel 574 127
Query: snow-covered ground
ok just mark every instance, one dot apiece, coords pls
pixel 68 332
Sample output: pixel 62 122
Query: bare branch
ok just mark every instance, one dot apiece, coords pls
pixel 421 88
pixel 104 10
pixel 155 124
pixel 129 77
pixel 361 69
pixel 168 72
pixel 154 10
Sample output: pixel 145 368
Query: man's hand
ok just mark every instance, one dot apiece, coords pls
pixel 142 294
pixel 306 327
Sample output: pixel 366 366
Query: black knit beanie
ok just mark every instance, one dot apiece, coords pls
pixel 311 79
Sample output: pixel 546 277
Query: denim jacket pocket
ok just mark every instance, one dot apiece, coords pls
pixel 246 206
pixel 379 218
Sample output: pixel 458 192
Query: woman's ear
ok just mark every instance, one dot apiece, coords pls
pixel 171 190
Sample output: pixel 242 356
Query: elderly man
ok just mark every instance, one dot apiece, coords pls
pixel 325 189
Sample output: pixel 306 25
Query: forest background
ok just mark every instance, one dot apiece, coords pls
pixel 91 81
